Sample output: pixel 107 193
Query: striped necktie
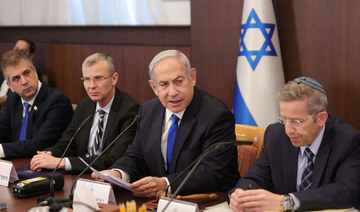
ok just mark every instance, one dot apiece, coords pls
pixel 22 135
pixel 99 133
pixel 306 177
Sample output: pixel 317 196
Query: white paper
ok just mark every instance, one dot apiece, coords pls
pixel 7 173
pixel 110 178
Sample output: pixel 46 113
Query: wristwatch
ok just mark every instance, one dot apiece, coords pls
pixel 288 203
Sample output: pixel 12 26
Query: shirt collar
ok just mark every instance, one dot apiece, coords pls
pixel 106 108
pixel 168 114
pixel 314 147
pixel 31 102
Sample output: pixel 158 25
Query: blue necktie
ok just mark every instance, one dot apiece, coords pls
pixel 22 135
pixel 306 177
pixel 171 140
pixel 99 133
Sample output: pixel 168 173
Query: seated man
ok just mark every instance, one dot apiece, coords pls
pixel 110 107
pixel 22 44
pixel 310 160
pixel 35 115
pixel 177 127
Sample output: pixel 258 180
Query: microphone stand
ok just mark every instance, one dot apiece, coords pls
pixel 136 119
pixel 216 147
pixel 236 143
pixel 51 199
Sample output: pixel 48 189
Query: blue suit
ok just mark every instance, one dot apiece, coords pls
pixel 48 118
pixel 336 174
pixel 206 121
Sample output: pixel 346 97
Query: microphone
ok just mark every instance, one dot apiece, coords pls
pixel 216 147
pixel 49 200
pixel 136 119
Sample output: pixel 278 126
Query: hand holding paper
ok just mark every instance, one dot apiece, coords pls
pixel 110 178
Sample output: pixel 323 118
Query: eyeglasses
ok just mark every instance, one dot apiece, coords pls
pixel 99 79
pixel 295 122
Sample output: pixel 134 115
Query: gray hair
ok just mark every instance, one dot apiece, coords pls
pixel 97 57
pixel 14 58
pixel 165 54
pixel 292 91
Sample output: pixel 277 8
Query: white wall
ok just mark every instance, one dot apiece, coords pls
pixel 177 12
pixel 94 12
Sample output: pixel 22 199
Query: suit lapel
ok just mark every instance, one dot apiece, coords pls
pixel 155 136
pixel 18 118
pixel 111 118
pixel 290 165
pixel 187 123
pixel 83 136
pixel 33 112
pixel 322 156
pixel 182 134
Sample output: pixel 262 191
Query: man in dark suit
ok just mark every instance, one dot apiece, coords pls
pixel 310 160
pixel 99 78
pixel 35 115
pixel 202 120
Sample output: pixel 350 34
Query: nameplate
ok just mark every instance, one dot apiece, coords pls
pixel 176 205
pixel 102 192
pixel 7 173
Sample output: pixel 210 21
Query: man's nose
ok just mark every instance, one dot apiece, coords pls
pixel 92 83
pixel 173 90
pixel 289 128
pixel 23 80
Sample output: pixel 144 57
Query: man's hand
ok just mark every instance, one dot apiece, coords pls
pixel 255 200
pixel 235 200
pixel 44 160
pixel 109 171
pixel 148 186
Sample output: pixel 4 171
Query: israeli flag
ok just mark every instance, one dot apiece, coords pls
pixel 259 74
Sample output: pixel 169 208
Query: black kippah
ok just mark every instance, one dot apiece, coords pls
pixel 311 83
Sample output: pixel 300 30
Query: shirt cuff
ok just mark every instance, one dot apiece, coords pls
pixel 2 153
pixel 167 184
pixel 296 201
pixel 124 176
pixel 68 166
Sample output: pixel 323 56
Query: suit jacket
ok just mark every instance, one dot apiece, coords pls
pixel 48 118
pixel 122 113
pixel 336 173
pixel 206 121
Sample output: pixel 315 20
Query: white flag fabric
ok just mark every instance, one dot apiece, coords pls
pixel 259 74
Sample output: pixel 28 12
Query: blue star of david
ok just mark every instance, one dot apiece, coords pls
pixel 267 48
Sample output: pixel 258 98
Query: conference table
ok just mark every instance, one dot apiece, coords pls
pixel 121 195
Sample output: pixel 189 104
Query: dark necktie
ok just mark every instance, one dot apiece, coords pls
pixel 99 133
pixel 171 140
pixel 22 135
pixel 306 177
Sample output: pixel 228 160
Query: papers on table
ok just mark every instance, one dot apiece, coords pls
pixel 110 178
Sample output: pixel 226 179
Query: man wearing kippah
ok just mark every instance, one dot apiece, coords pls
pixel 310 160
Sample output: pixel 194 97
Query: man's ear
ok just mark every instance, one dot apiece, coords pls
pixel 114 78
pixel 322 117
pixel 7 82
pixel 153 86
pixel 193 76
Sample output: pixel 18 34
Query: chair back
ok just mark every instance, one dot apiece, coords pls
pixel 247 154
